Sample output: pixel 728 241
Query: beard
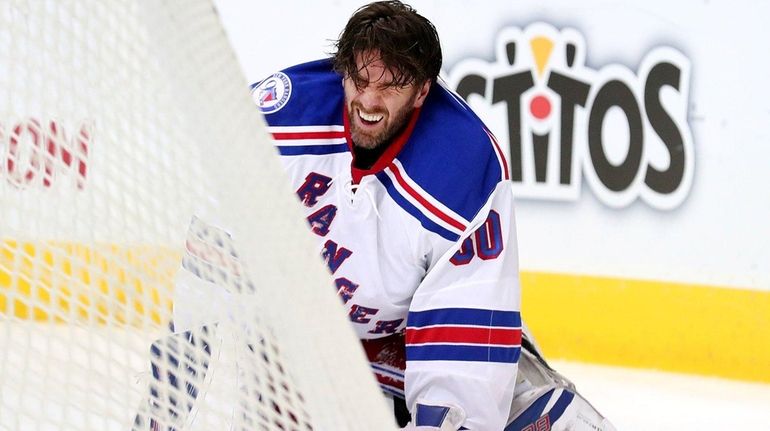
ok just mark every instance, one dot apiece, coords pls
pixel 393 124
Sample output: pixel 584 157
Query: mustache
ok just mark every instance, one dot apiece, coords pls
pixel 354 106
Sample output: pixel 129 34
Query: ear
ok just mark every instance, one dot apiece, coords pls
pixel 422 93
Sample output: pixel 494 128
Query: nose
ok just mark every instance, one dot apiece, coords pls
pixel 369 97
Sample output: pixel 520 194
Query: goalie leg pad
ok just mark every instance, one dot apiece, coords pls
pixel 544 400
pixel 179 363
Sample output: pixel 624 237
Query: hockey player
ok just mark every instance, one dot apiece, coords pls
pixel 408 194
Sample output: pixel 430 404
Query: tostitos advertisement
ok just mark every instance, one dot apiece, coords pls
pixel 637 140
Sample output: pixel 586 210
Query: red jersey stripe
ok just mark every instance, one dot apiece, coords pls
pixel 430 207
pixel 328 134
pixel 459 334
pixel 500 155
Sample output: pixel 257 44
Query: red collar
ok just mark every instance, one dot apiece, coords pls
pixel 386 157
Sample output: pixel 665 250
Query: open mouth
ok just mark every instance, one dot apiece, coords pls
pixel 369 119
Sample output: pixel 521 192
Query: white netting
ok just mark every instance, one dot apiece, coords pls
pixel 118 121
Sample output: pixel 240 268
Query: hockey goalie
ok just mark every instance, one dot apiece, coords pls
pixel 408 196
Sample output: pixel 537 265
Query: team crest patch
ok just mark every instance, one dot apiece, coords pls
pixel 272 93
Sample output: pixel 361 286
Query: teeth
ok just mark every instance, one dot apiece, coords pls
pixel 369 117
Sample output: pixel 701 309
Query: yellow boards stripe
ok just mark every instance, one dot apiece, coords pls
pixel 669 326
pixel 103 283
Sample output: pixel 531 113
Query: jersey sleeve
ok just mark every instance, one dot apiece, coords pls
pixel 463 335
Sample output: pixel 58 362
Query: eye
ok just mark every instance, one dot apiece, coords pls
pixel 358 83
pixel 393 88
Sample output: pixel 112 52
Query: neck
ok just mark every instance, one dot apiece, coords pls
pixel 366 157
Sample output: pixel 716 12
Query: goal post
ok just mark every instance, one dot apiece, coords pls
pixel 129 145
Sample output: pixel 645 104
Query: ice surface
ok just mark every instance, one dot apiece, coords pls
pixel 648 400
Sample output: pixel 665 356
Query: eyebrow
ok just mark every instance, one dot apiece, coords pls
pixel 363 79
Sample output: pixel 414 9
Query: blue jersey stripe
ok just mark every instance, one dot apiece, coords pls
pixel 452 352
pixel 561 404
pixel 413 211
pixel 464 316
pixel 299 150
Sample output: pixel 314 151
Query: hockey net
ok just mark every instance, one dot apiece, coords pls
pixel 119 121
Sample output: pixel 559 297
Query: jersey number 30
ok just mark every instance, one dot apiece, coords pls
pixel 486 242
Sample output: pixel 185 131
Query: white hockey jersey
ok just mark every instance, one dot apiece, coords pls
pixel 422 246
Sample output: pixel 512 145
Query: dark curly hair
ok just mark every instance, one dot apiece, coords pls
pixel 407 43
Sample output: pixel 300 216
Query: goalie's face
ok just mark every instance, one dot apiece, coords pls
pixel 378 108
